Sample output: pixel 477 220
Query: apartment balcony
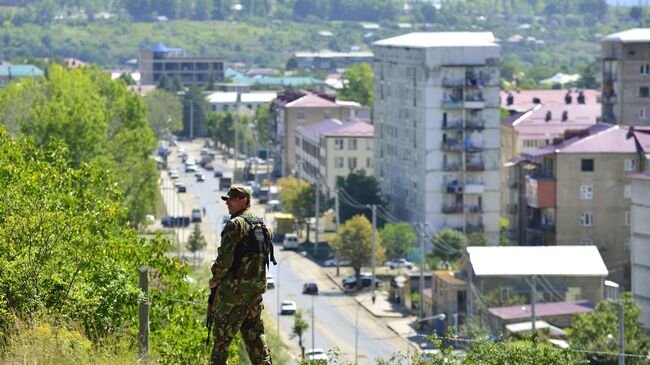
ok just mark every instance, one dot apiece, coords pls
pixel 513 208
pixel 452 126
pixel 609 98
pixel 475 101
pixel 513 184
pixel 609 77
pixel 543 235
pixel 474 188
pixel 452 208
pixel 452 104
pixel 540 192
pixel 474 209
pixel 451 146
pixel 475 166
pixel 453 84
pixel 475 81
pixel 451 167
pixel 474 148
pixel 513 234
pixel 453 187
pixel 473 228
pixel 478 125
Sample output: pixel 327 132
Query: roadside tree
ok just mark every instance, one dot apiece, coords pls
pixel 449 244
pixel 398 239
pixel 364 189
pixel 353 242
pixel 196 242
pixel 164 113
pixel 298 329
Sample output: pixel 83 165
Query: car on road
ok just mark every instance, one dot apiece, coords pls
pixel 181 188
pixel 288 307
pixel 350 282
pixel 218 173
pixel 270 281
pixel 310 288
pixel 190 168
pixel 290 241
pixel 316 356
pixel 200 177
pixel 332 263
pixel 174 175
pixel 399 263
pixel 208 166
pixel 196 215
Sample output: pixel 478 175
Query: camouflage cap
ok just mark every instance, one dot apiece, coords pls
pixel 237 192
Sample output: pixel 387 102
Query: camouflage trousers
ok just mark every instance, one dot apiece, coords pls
pixel 232 313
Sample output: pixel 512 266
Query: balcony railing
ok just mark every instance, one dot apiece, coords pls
pixel 512 184
pixel 451 167
pixel 477 209
pixel 453 187
pixel 475 166
pixel 452 104
pixel 455 84
pixel 474 148
pixel 452 208
pixel 452 126
pixel 451 145
pixel 472 228
pixel 513 208
pixel 475 125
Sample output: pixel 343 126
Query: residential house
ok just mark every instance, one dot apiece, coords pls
pixel 9 73
pixel 449 295
pixel 558 314
pixel 160 60
pixel 223 101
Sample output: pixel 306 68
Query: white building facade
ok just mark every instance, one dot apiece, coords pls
pixel 437 126
pixel 641 243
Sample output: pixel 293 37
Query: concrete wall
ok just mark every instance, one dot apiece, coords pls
pixel 608 205
pixel 641 247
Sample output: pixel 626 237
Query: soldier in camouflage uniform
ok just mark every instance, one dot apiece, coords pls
pixel 238 301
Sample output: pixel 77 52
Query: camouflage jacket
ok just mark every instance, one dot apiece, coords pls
pixel 251 274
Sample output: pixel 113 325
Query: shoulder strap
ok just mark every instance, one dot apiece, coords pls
pixel 250 219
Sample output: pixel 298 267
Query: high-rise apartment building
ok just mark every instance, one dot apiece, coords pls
pixel 173 62
pixel 436 118
pixel 626 77
pixel 641 243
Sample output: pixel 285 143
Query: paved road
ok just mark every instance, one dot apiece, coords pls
pixel 334 312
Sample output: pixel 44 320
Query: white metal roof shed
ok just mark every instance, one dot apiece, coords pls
pixel 537 260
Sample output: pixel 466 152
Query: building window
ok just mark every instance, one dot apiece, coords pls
pixel 643 113
pixel 645 69
pixel 627 219
pixel 587 219
pixel 369 145
pixel 587 165
pixel 352 163
pixel 627 192
pixel 328 114
pixel 630 165
pixel 626 245
pixel 300 114
pixel 352 144
pixel 368 162
pixel 338 162
pixel 644 92
pixel 586 192
pixel 587 242
pixel 338 144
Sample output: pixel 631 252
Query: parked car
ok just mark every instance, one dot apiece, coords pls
pixel 316 356
pixel 218 173
pixel 200 177
pixel 290 241
pixel 332 263
pixel 270 281
pixel 181 188
pixel 399 263
pixel 350 282
pixel 178 221
pixel 196 215
pixel 288 307
pixel 310 288
pixel 190 168
pixel 174 175
pixel 208 166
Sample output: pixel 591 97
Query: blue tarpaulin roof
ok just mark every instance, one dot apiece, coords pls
pixel 20 71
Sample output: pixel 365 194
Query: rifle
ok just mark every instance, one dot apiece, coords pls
pixel 208 321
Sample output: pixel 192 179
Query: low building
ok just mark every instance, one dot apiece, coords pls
pixel 558 314
pixel 223 101
pixel 537 118
pixel 641 243
pixel 329 61
pixel 332 148
pixel 577 191
pixel 160 60
pixel 449 295
pixel 9 73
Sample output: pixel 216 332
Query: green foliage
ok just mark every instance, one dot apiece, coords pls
pixel 589 76
pixel 196 110
pixel 450 244
pixel 592 331
pixel 164 113
pixel 353 242
pixel 358 84
pixel 362 188
pixel 298 329
pixel 398 239
pixel 196 241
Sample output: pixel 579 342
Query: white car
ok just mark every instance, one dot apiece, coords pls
pixel 288 307
pixel 316 356
pixel 290 241
pixel 270 282
pixel 332 263
pixel 399 263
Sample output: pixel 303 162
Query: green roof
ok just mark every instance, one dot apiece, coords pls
pixel 20 71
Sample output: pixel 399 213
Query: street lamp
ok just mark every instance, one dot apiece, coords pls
pixel 277 292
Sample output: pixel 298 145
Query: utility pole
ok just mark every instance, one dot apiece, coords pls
pixel 421 304
pixel 191 119
pixel 374 250
pixel 338 222
pixel 621 333
pixel 313 346
pixel 143 315
pixel 533 302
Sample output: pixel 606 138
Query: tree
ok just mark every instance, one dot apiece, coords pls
pixel 165 113
pixel 298 329
pixel 398 239
pixel 477 239
pixel 588 76
pixel 195 112
pixel 196 241
pixel 353 242
pixel 358 84
pixel 592 332
pixel 127 78
pixel 449 244
pixel 364 189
